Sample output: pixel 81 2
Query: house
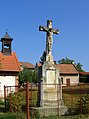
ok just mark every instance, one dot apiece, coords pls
pixel 68 74
pixel 27 65
pixel 9 65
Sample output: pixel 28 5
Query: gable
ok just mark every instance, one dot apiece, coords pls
pixel 9 62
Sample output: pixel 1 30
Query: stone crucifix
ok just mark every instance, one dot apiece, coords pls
pixel 49 40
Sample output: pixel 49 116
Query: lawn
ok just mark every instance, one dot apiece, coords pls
pixel 7 116
pixel 67 117
pixel 22 116
pixel 72 94
pixel 11 115
pixel 32 97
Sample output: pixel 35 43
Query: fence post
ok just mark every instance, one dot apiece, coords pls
pixel 10 102
pixel 71 97
pixel 81 99
pixel 27 99
pixel 5 96
pixel 58 97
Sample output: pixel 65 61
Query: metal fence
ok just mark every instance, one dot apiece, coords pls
pixel 24 93
pixel 76 98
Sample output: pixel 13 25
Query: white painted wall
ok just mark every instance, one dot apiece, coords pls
pixel 7 81
pixel 74 80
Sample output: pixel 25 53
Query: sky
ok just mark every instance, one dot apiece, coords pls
pixel 22 19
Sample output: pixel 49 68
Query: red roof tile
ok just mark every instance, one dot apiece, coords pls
pixel 84 73
pixel 67 69
pixel 27 65
pixel 9 62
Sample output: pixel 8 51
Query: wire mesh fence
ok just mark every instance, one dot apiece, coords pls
pixel 76 98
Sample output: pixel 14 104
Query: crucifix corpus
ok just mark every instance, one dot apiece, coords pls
pixel 49 38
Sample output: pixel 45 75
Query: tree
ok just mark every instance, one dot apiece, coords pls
pixel 83 78
pixel 34 77
pixel 79 67
pixel 27 75
pixel 70 61
pixel 43 57
pixel 65 61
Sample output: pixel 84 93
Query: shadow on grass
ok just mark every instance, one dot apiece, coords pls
pixel 2 108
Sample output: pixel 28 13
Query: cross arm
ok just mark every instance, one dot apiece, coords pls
pixel 42 28
pixel 55 31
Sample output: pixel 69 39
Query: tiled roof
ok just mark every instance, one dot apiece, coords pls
pixel 84 73
pixel 67 69
pixel 9 62
pixel 27 65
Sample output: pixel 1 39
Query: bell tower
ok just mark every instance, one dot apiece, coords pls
pixel 6 44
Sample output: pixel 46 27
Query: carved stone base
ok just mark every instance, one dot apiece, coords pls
pixel 48 111
pixel 51 99
pixel 51 103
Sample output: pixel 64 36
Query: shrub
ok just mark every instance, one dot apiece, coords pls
pixel 82 105
pixel 14 102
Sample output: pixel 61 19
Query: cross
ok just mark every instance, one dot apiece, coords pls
pixel 50 31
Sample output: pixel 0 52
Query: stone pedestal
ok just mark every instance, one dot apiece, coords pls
pixel 50 87
pixel 50 92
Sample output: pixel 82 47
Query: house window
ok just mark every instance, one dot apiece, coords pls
pixel 62 80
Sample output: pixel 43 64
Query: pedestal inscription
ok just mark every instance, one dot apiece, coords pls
pixel 51 78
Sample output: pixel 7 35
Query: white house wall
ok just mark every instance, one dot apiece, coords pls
pixel 74 80
pixel 7 81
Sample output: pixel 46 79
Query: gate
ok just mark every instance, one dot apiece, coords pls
pixel 28 97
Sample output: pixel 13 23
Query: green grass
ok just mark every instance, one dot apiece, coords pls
pixel 12 116
pixel 7 116
pixel 70 100
pixel 64 117
pixel 72 94
pixel 23 116
pixel 33 101
pixel 32 97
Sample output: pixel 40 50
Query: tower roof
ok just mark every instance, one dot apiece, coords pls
pixel 7 36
